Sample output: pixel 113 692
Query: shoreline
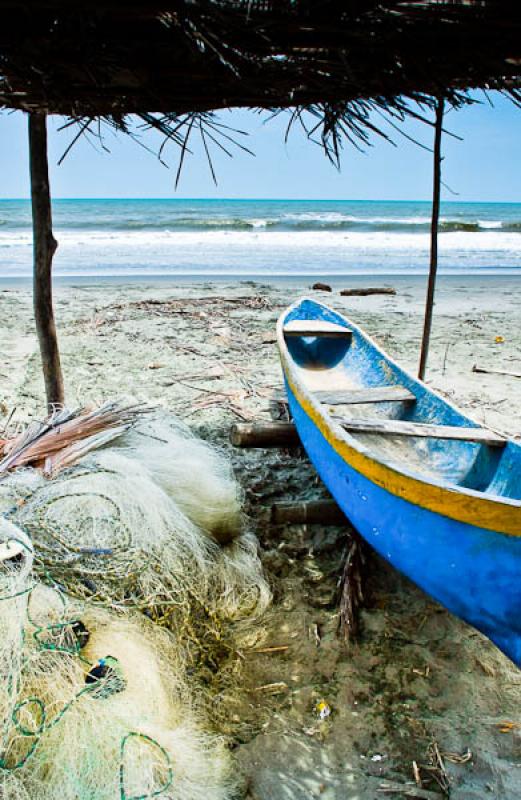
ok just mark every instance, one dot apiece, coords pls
pixel 335 280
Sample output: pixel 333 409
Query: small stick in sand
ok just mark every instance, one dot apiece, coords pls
pixel 272 688
pixel 402 790
pixel 485 371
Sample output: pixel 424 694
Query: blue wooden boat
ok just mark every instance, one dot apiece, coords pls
pixel 433 492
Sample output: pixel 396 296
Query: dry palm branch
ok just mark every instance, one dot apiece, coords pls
pixel 65 436
pixel 351 587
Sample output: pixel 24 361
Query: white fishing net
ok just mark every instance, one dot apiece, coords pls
pixel 151 522
pixel 197 476
pixel 96 701
pixel 17 486
pixel 16 562
pixel 105 530
pixel 137 524
pixel 101 711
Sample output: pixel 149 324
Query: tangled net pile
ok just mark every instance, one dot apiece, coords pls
pixel 95 701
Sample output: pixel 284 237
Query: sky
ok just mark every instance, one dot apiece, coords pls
pixel 485 166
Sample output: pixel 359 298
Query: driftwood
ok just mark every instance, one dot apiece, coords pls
pixel 322 512
pixel 322 287
pixel 367 292
pixel 485 371
pixel 264 434
pixel 284 434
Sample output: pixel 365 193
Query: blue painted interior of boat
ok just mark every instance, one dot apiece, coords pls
pixel 466 464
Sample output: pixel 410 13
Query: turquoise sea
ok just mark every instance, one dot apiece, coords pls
pixel 254 238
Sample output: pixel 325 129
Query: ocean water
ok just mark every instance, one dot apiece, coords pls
pixel 263 238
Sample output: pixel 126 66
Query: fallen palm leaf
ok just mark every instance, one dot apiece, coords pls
pixel 55 442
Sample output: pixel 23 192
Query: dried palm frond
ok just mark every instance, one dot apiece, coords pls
pixel 66 436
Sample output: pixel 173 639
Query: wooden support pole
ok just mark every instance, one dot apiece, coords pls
pixel 264 434
pixel 440 107
pixel 44 247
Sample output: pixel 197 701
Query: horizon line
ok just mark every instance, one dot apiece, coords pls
pixel 270 199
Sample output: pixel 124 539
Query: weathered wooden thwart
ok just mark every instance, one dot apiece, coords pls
pixel 392 427
pixel 436 494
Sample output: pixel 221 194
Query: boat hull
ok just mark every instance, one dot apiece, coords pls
pixel 474 572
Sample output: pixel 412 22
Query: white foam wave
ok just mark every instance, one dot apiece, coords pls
pixel 263 252
pixel 490 223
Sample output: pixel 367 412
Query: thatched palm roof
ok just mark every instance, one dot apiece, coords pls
pixel 338 58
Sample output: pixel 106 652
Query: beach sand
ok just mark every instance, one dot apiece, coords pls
pixel 418 679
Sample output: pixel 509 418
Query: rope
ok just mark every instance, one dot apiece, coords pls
pixel 170 772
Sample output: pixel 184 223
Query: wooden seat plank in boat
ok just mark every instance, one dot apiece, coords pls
pixel 370 394
pixel 316 327
pixel 396 427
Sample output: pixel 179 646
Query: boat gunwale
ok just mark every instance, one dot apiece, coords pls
pixel 491 511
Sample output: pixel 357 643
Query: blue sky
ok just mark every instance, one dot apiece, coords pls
pixel 485 166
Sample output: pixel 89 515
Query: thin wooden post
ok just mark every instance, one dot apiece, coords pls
pixel 440 107
pixel 44 247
